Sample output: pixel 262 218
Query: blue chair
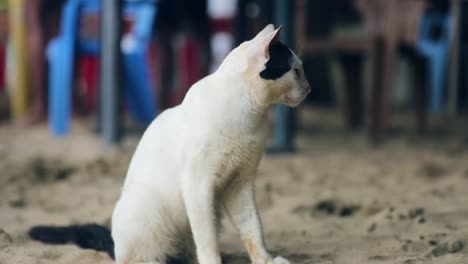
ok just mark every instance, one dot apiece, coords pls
pixel 62 50
pixel 137 79
pixel 435 49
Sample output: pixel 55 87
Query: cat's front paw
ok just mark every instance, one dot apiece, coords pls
pixel 279 260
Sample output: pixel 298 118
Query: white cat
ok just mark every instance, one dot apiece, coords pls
pixel 200 158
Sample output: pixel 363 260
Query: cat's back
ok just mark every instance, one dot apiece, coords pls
pixel 173 130
pixel 163 128
pixel 158 149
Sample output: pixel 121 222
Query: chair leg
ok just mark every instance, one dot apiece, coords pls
pixel 420 91
pixel 353 93
pixel 138 87
pixel 437 72
pixel 379 106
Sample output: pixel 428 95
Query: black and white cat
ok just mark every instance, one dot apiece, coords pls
pixel 200 158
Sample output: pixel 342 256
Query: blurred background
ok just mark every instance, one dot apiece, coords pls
pixel 371 168
pixel 367 60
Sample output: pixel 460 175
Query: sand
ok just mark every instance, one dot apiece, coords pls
pixel 338 199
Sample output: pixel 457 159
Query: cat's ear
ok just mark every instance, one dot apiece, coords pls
pixel 267 30
pixel 272 38
pixel 261 43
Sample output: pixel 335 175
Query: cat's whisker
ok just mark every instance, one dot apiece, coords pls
pixel 300 52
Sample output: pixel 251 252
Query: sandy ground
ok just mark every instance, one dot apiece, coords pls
pixel 337 200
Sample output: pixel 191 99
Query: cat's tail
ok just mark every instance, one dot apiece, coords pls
pixel 89 236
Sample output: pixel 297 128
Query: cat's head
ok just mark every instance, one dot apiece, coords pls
pixel 275 73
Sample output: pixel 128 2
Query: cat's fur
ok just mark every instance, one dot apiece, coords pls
pixel 200 158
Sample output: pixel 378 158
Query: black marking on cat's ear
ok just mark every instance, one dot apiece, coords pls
pixel 279 62
pixel 296 71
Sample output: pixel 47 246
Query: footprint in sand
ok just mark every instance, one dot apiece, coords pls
pixel 5 239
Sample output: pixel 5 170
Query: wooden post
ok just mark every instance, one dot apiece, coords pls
pixel 284 118
pixel 111 70
pixel 383 64
pixel 352 65
pixel 454 58
pixel 17 73
pixel 37 59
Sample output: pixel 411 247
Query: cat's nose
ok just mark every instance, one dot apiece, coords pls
pixel 308 89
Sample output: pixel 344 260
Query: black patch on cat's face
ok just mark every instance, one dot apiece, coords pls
pixel 279 62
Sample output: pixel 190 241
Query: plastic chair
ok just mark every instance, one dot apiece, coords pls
pixel 435 49
pixel 63 49
pixel 135 48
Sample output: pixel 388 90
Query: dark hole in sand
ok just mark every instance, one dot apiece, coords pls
pixel 448 248
pixel 331 207
pixel 433 170
pixel 41 170
pixel 328 207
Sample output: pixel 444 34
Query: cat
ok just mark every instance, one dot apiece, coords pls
pixel 200 158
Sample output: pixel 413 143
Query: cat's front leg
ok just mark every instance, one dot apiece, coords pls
pixel 198 195
pixel 241 208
